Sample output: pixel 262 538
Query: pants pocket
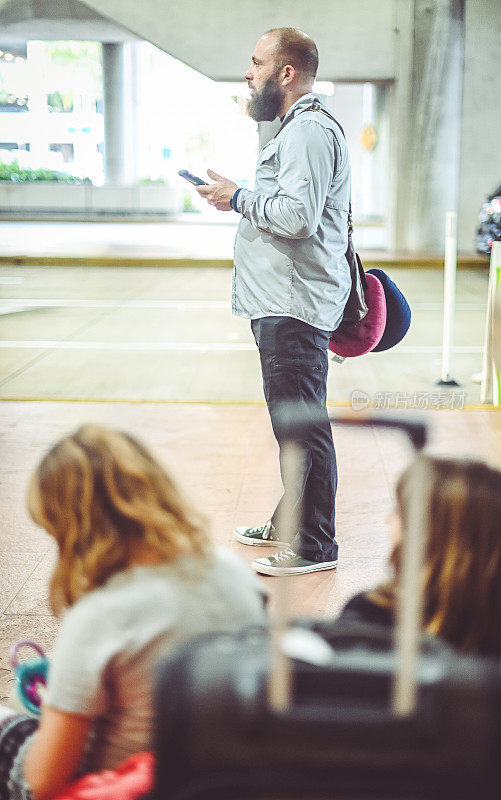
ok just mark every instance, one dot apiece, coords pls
pixel 292 365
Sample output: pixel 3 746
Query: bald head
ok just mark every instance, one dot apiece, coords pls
pixel 282 69
pixel 294 47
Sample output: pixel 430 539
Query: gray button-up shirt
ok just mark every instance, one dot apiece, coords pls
pixel 292 238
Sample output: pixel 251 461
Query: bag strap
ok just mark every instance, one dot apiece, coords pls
pixel 315 106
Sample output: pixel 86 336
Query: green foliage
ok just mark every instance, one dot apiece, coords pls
pixel 76 60
pixel 6 96
pixel 16 174
pixel 188 206
pixel 72 68
pixel 60 102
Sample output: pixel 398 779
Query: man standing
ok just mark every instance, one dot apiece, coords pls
pixel 291 277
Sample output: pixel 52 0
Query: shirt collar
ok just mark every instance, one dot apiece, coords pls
pixel 302 102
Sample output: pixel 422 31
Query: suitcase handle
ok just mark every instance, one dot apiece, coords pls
pixel 294 424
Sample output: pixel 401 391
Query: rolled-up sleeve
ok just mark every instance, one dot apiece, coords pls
pixel 307 162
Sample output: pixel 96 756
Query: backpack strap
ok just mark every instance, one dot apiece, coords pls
pixel 356 306
pixel 315 106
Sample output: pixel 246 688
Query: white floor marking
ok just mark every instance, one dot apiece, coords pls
pixel 71 345
pixel 70 302
pixel 111 303
pixel 194 346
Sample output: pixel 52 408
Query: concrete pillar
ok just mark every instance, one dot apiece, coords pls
pixel 400 124
pixel 38 134
pixel 133 93
pixel 480 171
pixel 430 159
pixel 114 113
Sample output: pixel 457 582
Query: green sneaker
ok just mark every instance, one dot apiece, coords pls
pixel 287 562
pixel 260 534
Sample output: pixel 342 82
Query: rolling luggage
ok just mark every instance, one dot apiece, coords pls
pixel 315 712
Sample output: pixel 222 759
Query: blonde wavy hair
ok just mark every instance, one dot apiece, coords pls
pixel 106 500
pixel 461 579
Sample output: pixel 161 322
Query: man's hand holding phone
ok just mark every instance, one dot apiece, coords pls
pixel 218 194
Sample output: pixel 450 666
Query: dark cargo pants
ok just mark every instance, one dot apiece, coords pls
pixel 294 367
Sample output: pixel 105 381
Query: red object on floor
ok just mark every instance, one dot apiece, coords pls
pixel 127 782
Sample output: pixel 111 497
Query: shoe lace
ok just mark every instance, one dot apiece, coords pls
pixel 284 555
pixel 264 530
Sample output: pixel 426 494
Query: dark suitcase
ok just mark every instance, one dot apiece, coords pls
pixel 328 711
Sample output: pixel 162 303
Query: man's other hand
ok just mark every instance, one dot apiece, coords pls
pixel 218 194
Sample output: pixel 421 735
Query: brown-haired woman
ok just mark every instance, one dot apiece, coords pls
pixel 136 575
pixel 461 578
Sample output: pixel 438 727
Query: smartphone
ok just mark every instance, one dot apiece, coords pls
pixel 192 178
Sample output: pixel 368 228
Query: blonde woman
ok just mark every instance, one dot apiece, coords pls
pixel 136 575
pixel 461 578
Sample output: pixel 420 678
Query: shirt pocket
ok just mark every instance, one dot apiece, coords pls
pixel 268 152
pixel 267 169
pixel 267 163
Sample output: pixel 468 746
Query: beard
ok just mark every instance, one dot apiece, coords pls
pixel 265 105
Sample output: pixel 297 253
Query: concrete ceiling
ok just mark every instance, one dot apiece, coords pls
pixel 356 40
pixel 52 20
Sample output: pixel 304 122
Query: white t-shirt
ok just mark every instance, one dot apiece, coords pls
pixel 112 639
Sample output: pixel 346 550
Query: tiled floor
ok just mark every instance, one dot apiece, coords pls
pixel 226 459
pixel 123 338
